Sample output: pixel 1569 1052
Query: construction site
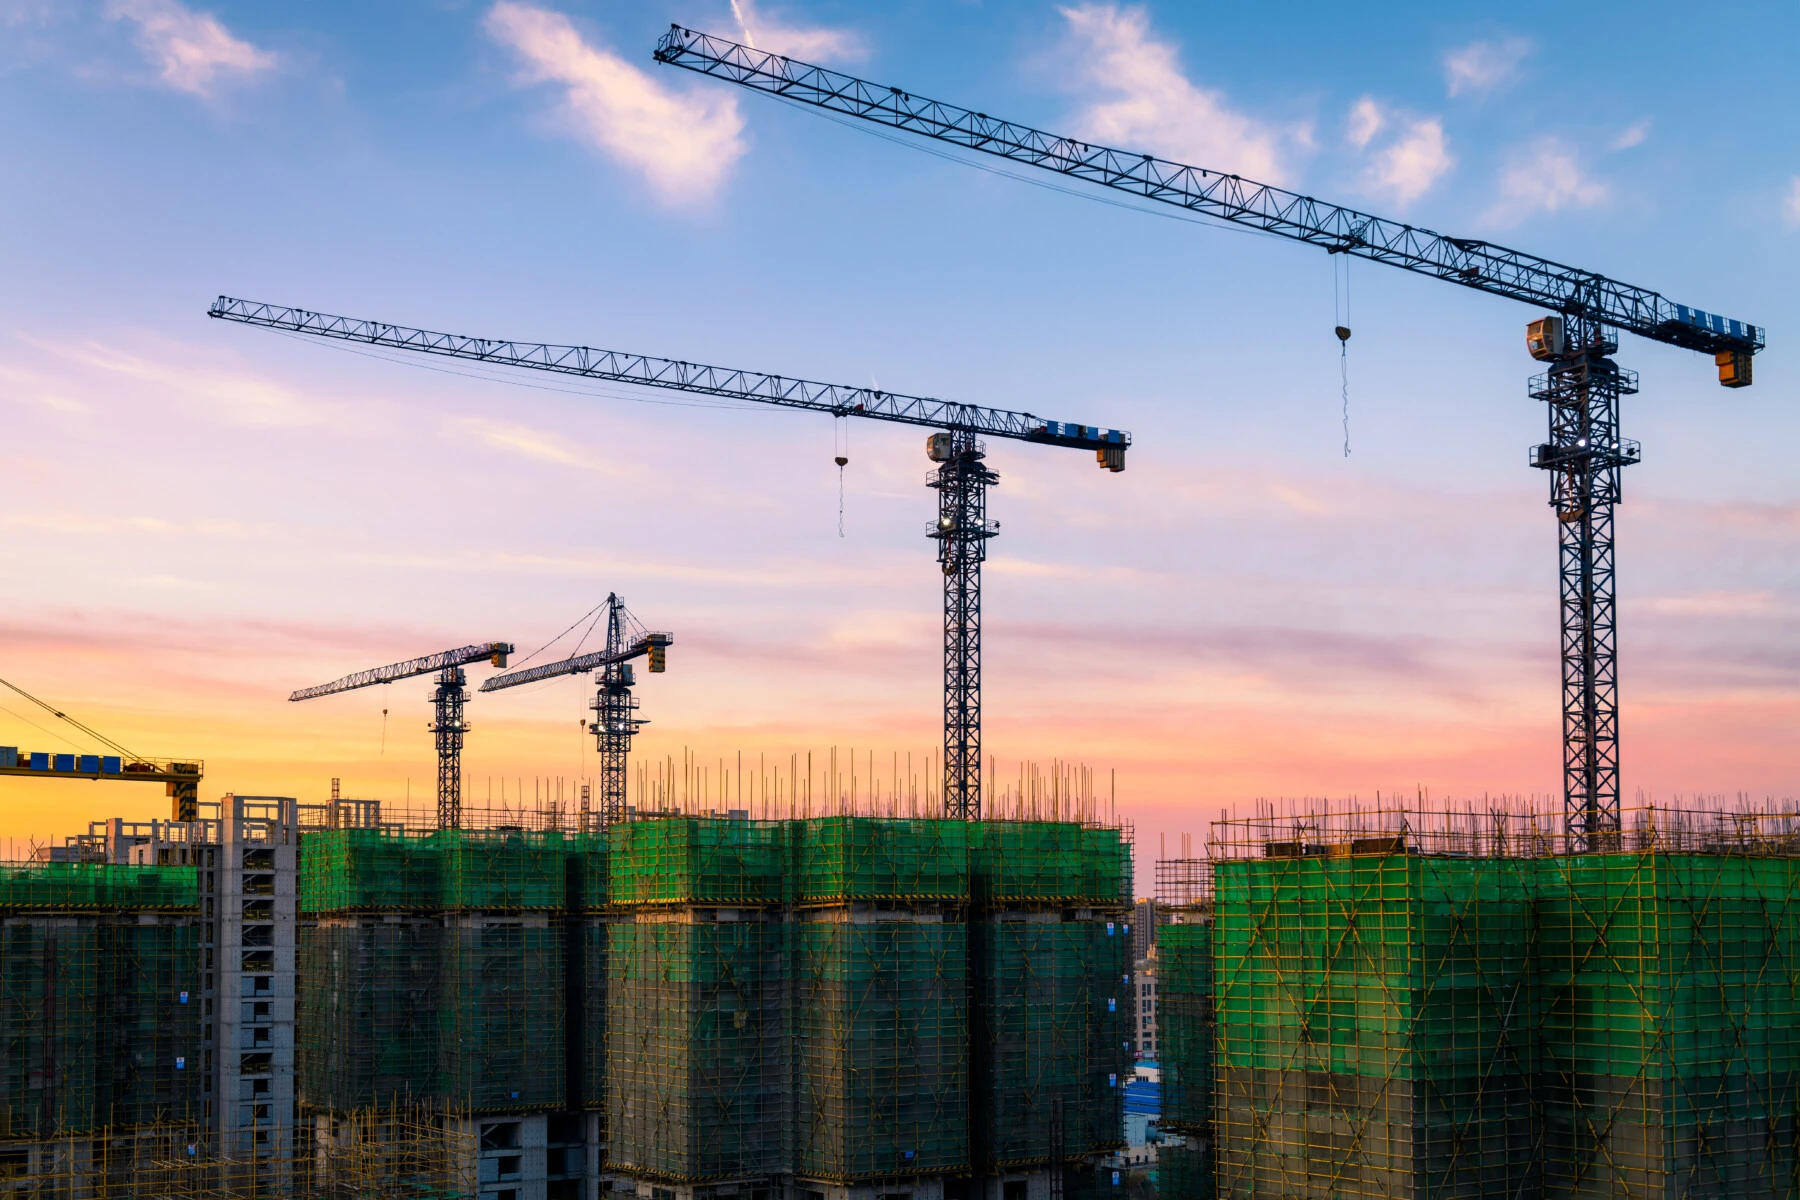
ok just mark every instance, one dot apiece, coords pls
pixel 688 982
pixel 336 1000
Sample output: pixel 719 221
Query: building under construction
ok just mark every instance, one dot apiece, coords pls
pixel 1407 1004
pixel 702 1006
pixel 286 999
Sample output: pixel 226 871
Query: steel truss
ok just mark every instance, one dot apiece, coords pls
pixel 1584 456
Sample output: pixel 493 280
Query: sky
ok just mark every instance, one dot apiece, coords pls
pixel 199 517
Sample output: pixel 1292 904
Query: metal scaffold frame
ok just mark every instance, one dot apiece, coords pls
pixel 1450 1004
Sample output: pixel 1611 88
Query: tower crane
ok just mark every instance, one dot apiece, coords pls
pixel 1583 454
pixel 448 724
pixel 962 478
pixel 180 780
pixel 614 706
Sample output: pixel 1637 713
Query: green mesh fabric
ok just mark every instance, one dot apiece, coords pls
pixel 1055 1007
pixel 1184 1026
pixel 696 1048
pixel 880 858
pixel 881 1042
pixel 76 887
pixel 1671 1022
pixel 1050 861
pixel 1390 993
pixel 368 1012
pixel 500 1015
pixel 350 870
pixel 94 1029
pixel 698 860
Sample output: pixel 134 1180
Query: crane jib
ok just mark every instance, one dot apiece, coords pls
pixel 1470 262
pixel 645 371
pixel 494 652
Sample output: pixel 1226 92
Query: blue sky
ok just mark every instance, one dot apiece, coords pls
pixel 201 517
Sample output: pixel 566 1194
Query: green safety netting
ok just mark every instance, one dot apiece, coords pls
pixel 73 887
pixel 879 858
pixel 881 1041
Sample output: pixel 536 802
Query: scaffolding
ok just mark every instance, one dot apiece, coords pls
pixel 1049 862
pixel 844 859
pixel 696 1064
pixel 436 965
pixel 831 996
pixel 35 886
pixel 683 860
pixel 400 1152
pixel 881 1036
pixel 1456 1005
pixel 1670 1032
pixel 500 1014
pixel 367 1019
pixel 96 1028
pixel 1054 1007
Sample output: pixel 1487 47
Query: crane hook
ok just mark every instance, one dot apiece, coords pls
pixel 1343 333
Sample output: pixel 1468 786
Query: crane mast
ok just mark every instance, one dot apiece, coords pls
pixel 1583 453
pixel 961 480
pixel 447 726
pixel 615 715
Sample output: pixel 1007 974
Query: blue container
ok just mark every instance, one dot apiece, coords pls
pixel 65 762
pixel 109 764
pixel 9 756
pixel 90 764
pixel 40 761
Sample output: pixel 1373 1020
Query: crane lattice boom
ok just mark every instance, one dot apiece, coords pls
pixel 838 400
pixel 494 651
pixel 1473 263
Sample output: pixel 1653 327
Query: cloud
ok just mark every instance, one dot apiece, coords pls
pixel 1790 204
pixel 238 398
pixel 192 50
pixel 1546 177
pixel 1366 120
pixel 1483 66
pixel 1634 135
pixel 1150 104
pixel 809 43
pixel 682 143
pixel 1409 163
pixel 525 442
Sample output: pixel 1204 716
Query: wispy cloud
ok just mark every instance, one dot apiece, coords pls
pixel 1545 177
pixel 1407 164
pixel 683 143
pixel 1143 99
pixel 1634 134
pixel 236 397
pixel 1484 66
pixel 1790 203
pixel 525 442
pixel 1366 120
pixel 809 43
pixel 192 51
